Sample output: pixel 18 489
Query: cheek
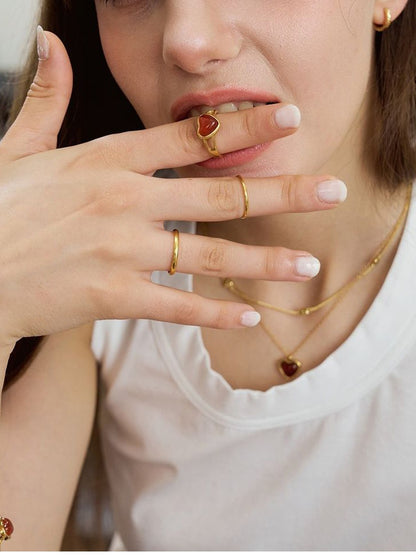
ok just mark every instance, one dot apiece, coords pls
pixel 323 54
pixel 132 66
pixel 328 71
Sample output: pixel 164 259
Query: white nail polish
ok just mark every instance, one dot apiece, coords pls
pixel 42 44
pixel 287 116
pixel 307 266
pixel 250 318
pixel 332 191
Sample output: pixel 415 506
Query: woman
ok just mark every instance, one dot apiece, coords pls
pixel 293 434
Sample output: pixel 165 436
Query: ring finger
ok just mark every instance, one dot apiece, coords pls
pixel 221 258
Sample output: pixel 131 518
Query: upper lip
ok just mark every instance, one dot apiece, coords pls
pixel 213 97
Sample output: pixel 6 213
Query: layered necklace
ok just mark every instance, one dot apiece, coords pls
pixel 288 365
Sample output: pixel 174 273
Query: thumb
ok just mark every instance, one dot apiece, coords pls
pixel 37 126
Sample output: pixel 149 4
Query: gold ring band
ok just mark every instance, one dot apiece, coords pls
pixel 244 187
pixel 207 127
pixel 174 261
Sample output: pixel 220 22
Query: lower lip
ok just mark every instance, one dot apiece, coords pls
pixel 235 158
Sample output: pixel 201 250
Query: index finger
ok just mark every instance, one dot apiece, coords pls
pixel 177 144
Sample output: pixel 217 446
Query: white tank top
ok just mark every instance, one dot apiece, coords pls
pixel 326 462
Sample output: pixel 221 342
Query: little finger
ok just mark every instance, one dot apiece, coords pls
pixel 157 302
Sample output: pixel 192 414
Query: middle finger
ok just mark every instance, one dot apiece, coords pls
pixel 218 199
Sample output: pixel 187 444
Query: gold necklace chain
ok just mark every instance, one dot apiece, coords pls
pixel 230 284
pixel 313 330
pixel 289 367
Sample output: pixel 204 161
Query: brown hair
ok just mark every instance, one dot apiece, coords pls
pixel 98 107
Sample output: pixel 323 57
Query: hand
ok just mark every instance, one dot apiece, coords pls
pixel 82 227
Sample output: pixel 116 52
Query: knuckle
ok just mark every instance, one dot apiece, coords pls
pixel 188 139
pixel 114 249
pixel 224 198
pixel 288 193
pixel 186 312
pixel 213 257
pixel 40 89
pixel 113 198
pixel 106 295
pixel 88 158
pixel 249 123
pixel 102 152
pixel 220 318
pixel 104 251
pixel 272 263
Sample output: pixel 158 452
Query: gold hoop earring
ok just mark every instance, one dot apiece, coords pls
pixel 387 21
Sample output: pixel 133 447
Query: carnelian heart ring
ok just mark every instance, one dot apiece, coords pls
pixel 207 127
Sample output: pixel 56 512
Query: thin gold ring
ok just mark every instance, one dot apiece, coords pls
pixel 207 127
pixel 174 261
pixel 244 187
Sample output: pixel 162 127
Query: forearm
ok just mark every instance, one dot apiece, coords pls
pixel 45 426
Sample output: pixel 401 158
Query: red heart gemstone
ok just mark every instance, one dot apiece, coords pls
pixel 8 526
pixel 289 367
pixel 207 124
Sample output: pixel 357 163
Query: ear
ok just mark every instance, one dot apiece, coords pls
pixel 396 7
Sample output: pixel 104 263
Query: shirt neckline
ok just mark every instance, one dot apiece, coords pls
pixel 374 348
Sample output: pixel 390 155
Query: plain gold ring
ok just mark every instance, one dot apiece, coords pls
pixel 174 261
pixel 244 187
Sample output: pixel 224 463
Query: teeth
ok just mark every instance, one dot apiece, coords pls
pixel 226 107
pixel 247 104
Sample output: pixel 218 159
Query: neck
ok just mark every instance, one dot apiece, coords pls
pixel 343 239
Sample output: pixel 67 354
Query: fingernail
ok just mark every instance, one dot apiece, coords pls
pixel 307 266
pixel 287 116
pixel 43 44
pixel 332 191
pixel 250 318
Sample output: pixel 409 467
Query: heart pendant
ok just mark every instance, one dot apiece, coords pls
pixel 288 367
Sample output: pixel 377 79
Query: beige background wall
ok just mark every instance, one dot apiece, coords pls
pixel 18 20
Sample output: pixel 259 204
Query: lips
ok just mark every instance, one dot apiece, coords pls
pixel 181 107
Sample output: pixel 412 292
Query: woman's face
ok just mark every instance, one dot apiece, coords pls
pixel 312 53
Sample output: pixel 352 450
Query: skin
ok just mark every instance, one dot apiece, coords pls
pixel 314 54
pixel 100 194
pixel 321 62
pixel 294 49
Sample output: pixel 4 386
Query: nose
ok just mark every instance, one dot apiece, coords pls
pixel 198 34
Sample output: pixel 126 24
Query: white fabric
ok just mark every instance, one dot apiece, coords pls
pixel 326 462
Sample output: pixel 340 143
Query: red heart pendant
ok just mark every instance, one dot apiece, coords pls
pixel 207 125
pixel 288 367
